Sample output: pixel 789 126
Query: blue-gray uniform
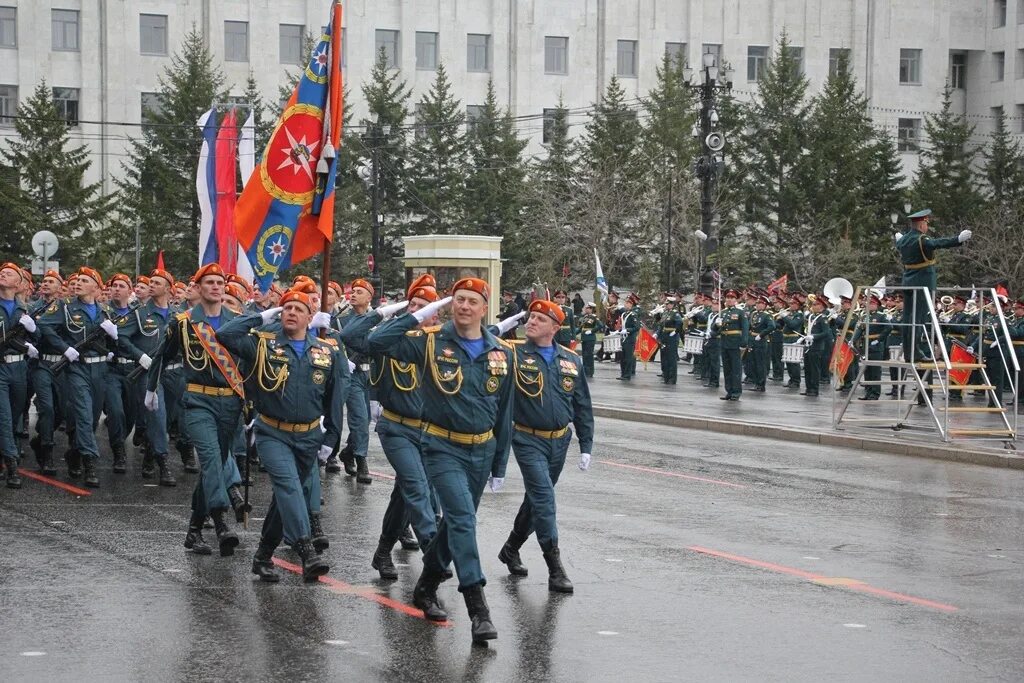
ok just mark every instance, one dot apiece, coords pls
pixel 551 394
pixel 65 325
pixel 297 382
pixel 467 413
pixel 118 403
pixel 44 388
pixel 397 387
pixel 358 401
pixel 13 381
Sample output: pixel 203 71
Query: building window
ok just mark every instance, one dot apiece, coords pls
pixel 290 43
pixel 958 70
pixel 626 62
pixel 474 112
pixel 835 55
pixel 549 125
pixel 426 51
pixel 908 135
pixel 1019 125
pixel 712 49
pixel 1018 65
pixel 999 13
pixel 757 62
pixel 478 52
pixel 64 25
pixel 1020 12
pixel 389 40
pixel 998 66
pixel 236 41
pixel 153 34
pixel 8 27
pixel 676 53
pixel 8 104
pixel 66 101
pixel 150 108
pixel 910 66
pixel 797 53
pixel 419 130
pixel 556 55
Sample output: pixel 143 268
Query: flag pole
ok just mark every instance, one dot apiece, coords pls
pixel 325 272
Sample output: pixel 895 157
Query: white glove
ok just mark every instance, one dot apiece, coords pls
pixel 321 321
pixel 28 323
pixel 496 483
pixel 964 236
pixel 375 410
pixel 325 452
pixel 808 340
pixel 323 429
pixel 270 314
pixel 250 432
pixel 428 311
pixel 898 236
pixel 152 401
pixel 584 461
pixel 389 310
pixel 71 354
pixel 672 335
pixel 145 361
pixel 993 345
pixel 512 322
pixel 32 351
pixel 110 356
pixel 757 337
pixel 874 343
pixel 110 328
pixel 351 367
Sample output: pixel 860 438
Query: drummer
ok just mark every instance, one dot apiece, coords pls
pixel 870 341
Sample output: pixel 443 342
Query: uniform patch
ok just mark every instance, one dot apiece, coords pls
pixel 319 377
pixel 492 384
pixel 568 383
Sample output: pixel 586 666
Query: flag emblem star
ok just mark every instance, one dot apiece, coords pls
pixel 298 154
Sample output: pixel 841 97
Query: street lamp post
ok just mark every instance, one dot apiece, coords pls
pixel 711 162
pixel 375 138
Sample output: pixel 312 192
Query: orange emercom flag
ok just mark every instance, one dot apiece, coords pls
pixel 646 345
pixel 286 212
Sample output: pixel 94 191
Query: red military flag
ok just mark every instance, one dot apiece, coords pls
pixel 646 345
pixel 779 285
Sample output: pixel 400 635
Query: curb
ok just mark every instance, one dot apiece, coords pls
pixel 987 458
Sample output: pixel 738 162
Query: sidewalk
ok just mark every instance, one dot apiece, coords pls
pixel 784 414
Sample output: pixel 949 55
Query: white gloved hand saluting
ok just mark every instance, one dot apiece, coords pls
pixel 110 328
pixel 351 367
pixel 32 351
pixel 511 323
pixel 495 483
pixel 152 401
pixel 145 361
pixel 584 461
pixel 898 236
pixel 27 322
pixel 270 314
pixel 964 236
pixel 321 321
pixel 390 310
pixel 325 452
pixel 71 354
pixel 428 311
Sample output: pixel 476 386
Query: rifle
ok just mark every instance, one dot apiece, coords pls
pixel 18 338
pixel 138 370
pixel 92 338
pixel 250 453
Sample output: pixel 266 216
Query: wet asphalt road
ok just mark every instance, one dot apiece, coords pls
pixel 695 556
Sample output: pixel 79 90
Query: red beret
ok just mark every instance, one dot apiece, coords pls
pixel 142 280
pixel 423 292
pixel 55 275
pixel 297 295
pixel 162 274
pixel 91 273
pixel 122 277
pixel 425 280
pixel 13 266
pixel 208 269
pixel 336 287
pixel 548 308
pixel 360 282
pixel 240 281
pixel 301 279
pixel 473 284
pixel 236 290
pixel 306 286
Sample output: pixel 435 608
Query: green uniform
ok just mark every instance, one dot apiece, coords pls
pixel 670 329
pixel 734 329
pixel 630 331
pixel 762 326
pixel 870 342
pixel 792 330
pixel 917 253
pixel 590 326
pixel 567 332
pixel 821 334
pixel 713 351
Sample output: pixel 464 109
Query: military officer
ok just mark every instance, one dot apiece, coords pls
pixel 776 340
pixel 47 397
pixel 567 333
pixel 509 308
pixel 17 332
pixel 917 253
pixel 297 382
pixel 551 394
pixel 358 401
pixel 66 326
pixel 869 341
pixel 818 339
pixel 212 403
pixel 669 330
pixel 697 319
pixel 762 325
pixel 630 326
pixel 792 331
pixel 734 330
pixel 590 327
pixel 467 413
pixel 119 403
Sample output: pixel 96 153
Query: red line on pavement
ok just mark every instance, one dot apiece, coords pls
pixel 53 482
pixel 672 474
pixel 362 592
pixel 849 584
pixel 382 475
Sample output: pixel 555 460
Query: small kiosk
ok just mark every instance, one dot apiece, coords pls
pixel 452 257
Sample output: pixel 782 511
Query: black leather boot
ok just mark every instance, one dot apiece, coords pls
pixel 148 462
pixel 226 538
pixel 509 554
pixel 313 566
pixel 332 464
pixel 120 465
pixel 237 501
pixel 363 471
pixel 424 596
pixel 408 540
pixel 13 479
pixel 166 478
pixel 558 582
pixel 74 461
pixel 188 456
pixel 263 564
pixel 348 458
pixel 46 465
pixel 316 533
pixel 482 629
pixel 194 540
pixel 382 560
pixel 89 475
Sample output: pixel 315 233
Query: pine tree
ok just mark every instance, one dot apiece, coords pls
pixel 885 193
pixel 438 161
pixel 158 186
pixel 263 119
pixel 1004 165
pixel 45 189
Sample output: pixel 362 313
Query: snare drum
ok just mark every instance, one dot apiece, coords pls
pixel 693 344
pixel 793 353
pixel 896 353
pixel 611 344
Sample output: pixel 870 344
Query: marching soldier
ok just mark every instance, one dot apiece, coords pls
pixel 669 329
pixel 119 399
pixel 14 348
pixel 358 401
pixel 590 327
pixel 874 332
pixel 567 333
pixel 298 381
pixel 630 331
pixel 66 326
pixel 550 395
pixel 762 326
pixel 212 403
pixel 142 293
pixel 818 340
pixel 48 400
pixel 792 331
pixel 734 329
pixel 467 413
